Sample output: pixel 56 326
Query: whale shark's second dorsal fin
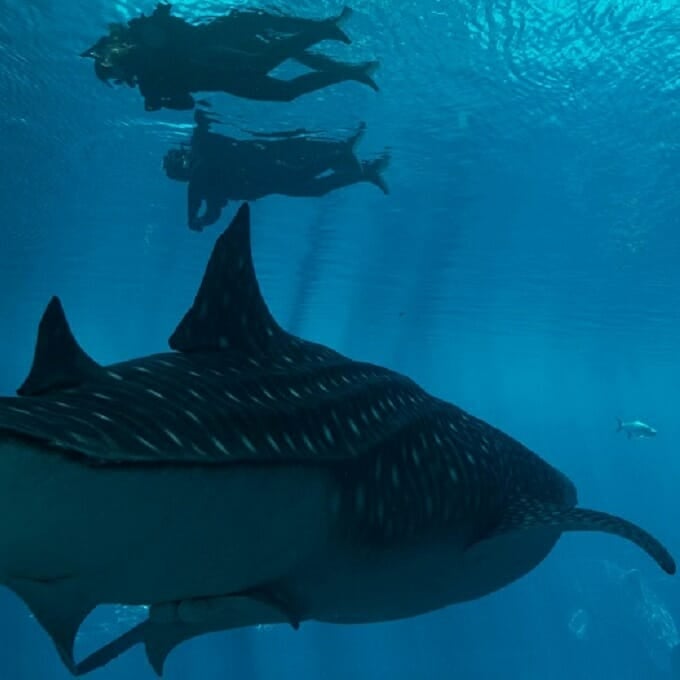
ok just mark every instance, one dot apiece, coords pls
pixel 229 311
pixel 59 361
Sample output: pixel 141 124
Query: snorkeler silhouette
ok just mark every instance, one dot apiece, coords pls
pixel 168 58
pixel 219 168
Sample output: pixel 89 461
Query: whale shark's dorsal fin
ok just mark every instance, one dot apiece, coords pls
pixel 229 311
pixel 59 361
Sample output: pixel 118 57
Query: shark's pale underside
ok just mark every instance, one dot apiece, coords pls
pixel 252 477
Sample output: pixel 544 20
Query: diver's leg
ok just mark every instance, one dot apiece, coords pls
pixel 369 171
pixel 275 28
pixel 319 62
pixel 372 171
pixel 259 21
pixel 266 88
pixel 320 186
pixel 275 51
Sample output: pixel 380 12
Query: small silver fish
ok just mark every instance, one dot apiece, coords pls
pixel 635 429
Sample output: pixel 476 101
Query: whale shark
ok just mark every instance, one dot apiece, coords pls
pixel 247 476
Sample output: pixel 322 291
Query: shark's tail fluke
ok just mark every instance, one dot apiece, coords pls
pixel 580 519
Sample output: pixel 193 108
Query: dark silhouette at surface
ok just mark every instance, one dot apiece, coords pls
pixel 169 59
pixel 219 168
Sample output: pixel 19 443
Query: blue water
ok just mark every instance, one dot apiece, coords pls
pixel 525 267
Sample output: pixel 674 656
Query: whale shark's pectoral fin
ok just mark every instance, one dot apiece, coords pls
pixel 525 514
pixel 57 609
pixel 173 623
pixel 59 361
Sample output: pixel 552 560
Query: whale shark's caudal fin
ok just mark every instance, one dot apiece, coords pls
pixel 59 361
pixel 526 514
pixel 229 311
pixel 580 519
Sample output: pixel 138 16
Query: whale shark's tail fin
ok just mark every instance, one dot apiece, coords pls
pixel 531 514
pixel 580 519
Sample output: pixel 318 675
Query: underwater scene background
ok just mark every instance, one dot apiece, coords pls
pixel 523 266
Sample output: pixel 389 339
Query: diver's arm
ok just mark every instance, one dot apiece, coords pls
pixel 213 211
pixel 194 200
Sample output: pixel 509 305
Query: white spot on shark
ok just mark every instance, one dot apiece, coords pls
pixel 174 437
pixel 220 446
pixel 395 476
pixel 248 444
pixel 428 505
pixel 154 393
pixel 23 412
pixel 308 443
pixel 380 510
pixel 146 443
pixel 115 375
